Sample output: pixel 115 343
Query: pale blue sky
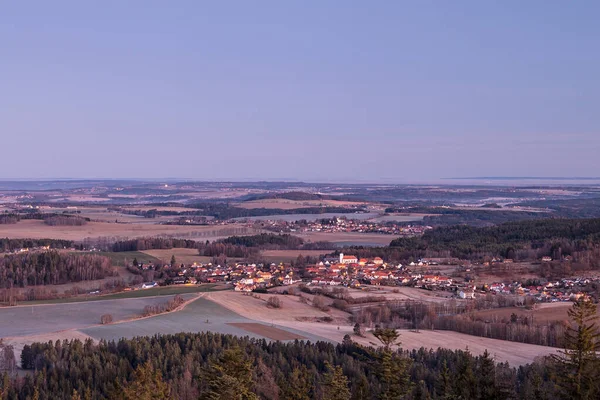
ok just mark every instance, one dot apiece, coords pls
pixel 312 90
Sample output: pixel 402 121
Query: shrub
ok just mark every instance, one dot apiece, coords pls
pixel 319 302
pixel 340 304
pixel 274 302
pixel 106 319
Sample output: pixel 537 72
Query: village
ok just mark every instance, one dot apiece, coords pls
pixel 351 272
pixel 345 225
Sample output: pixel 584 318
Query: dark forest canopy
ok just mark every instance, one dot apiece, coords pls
pixel 464 241
pixel 215 366
pixel 52 268
pixel 294 195
pixel 65 220
pixel 265 240
pixel 141 244
pixel 444 216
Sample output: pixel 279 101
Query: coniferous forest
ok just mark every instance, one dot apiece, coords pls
pixel 52 268
pixel 215 366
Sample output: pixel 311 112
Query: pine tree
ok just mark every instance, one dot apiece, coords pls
pixel 147 384
pixel 335 384
pixel 576 365
pixel 464 381
pixel 421 392
pixel 230 377
pixel 298 386
pixel 486 376
pixel 387 336
pixel 393 372
pixel 444 387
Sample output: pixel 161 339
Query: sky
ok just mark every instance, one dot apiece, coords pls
pixel 366 91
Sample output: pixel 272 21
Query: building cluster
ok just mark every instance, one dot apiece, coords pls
pixel 345 225
pixel 350 271
pixel 567 289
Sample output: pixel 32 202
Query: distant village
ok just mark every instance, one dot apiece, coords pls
pixel 350 271
pixel 345 225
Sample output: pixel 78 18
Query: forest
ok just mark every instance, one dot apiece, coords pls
pixel 154 243
pixel 444 216
pixel 214 366
pixel 504 240
pixel 52 268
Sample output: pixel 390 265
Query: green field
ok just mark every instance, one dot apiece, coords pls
pixel 157 291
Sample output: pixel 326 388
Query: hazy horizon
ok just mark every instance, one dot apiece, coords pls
pixel 330 92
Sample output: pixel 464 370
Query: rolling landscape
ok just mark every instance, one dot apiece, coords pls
pixel 476 272
pixel 290 200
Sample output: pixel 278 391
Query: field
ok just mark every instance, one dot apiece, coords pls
pixel 40 319
pixel 37 229
pixel 199 315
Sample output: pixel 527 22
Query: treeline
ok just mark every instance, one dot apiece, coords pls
pixel 164 307
pixel 250 246
pixel 294 195
pixel 7 245
pixel 444 216
pixel 216 249
pixel 6 219
pixel 570 235
pixel 214 366
pixel 65 220
pixel 266 240
pixel 153 244
pixel 52 268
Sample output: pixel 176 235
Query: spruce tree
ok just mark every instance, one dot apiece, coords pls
pixel 576 365
pixel 335 384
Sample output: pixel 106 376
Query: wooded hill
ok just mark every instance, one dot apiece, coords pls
pixel 52 268
pixel 570 235
pixel 215 366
